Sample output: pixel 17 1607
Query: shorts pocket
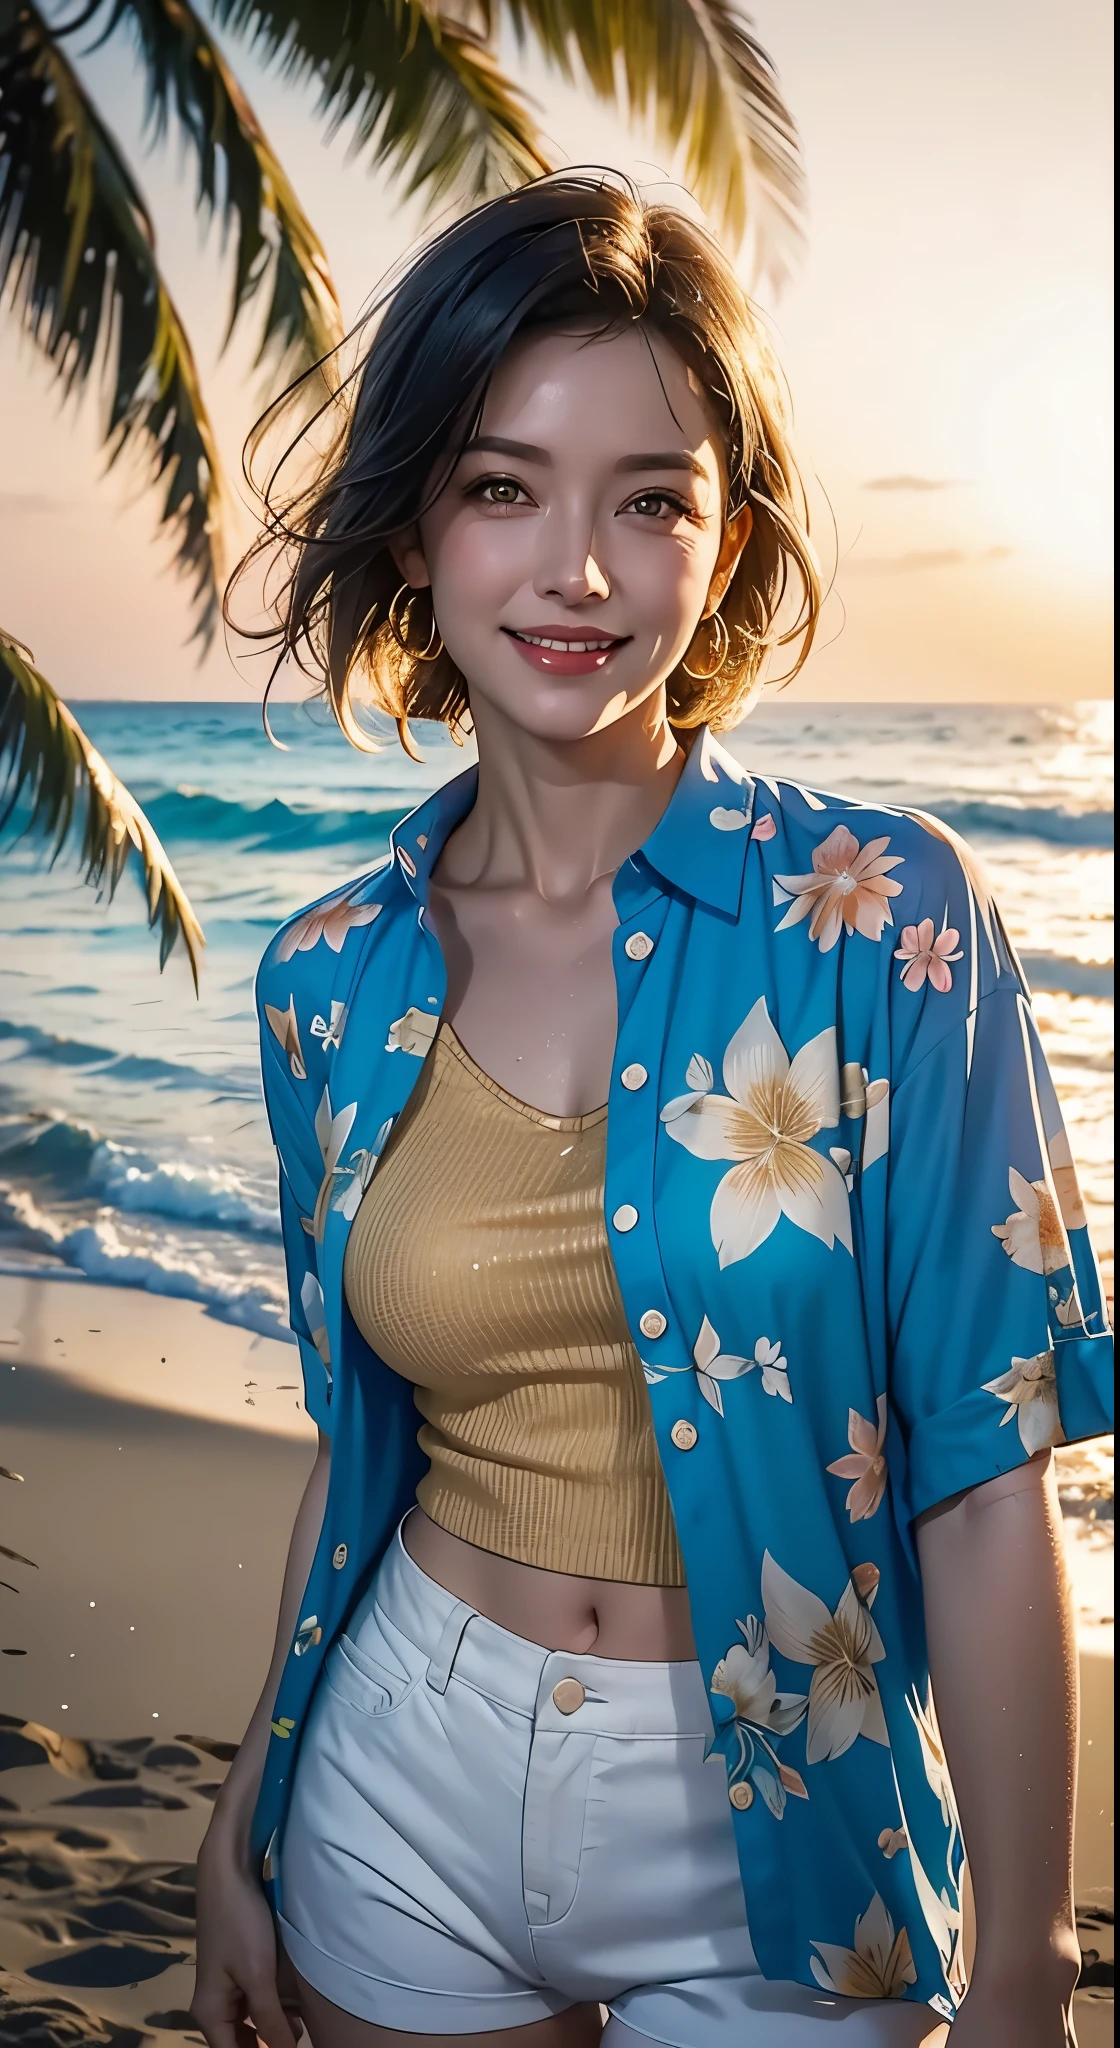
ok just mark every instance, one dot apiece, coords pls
pixel 373 1675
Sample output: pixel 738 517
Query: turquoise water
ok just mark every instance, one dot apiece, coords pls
pixel 133 1144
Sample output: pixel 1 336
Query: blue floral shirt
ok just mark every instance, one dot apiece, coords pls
pixel 854 1262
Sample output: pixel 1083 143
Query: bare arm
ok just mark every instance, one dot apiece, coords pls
pixel 1003 1663
pixel 236 1942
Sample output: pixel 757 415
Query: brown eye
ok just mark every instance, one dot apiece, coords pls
pixel 651 504
pixel 500 490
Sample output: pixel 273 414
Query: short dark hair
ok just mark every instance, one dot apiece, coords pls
pixel 575 249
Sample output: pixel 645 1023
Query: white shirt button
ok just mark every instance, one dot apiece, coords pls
pixel 653 1323
pixel 639 946
pixel 340 1556
pixel 684 1435
pixel 634 1076
pixel 625 1217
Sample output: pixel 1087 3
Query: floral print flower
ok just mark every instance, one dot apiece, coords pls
pixel 1067 1311
pixel 765 827
pixel 927 958
pixel 332 921
pixel 330 1029
pixel 775 1370
pixel 862 1098
pixel 284 1026
pixel 412 1033
pixel 773 1107
pixel 943 1917
pixel 713 1365
pixel 842 1160
pixel 312 1304
pixel 762 1716
pixel 308 1635
pixel 842 1647
pixel 866 1465
pixel 891 1840
pixel 933 1757
pixel 1033 1236
pixel 1031 1389
pixel 850 886
pixel 332 1131
pixel 358 1172
pixel 879 1963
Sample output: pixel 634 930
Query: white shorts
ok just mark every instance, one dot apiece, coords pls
pixel 461 1853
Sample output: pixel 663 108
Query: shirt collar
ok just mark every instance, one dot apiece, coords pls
pixel 698 846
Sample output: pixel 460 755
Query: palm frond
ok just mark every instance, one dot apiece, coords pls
pixel 48 763
pixel 240 177
pixel 425 94
pixel 710 86
pixel 78 262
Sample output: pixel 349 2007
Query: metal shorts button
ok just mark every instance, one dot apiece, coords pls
pixel 639 946
pixel 568 1697
pixel 684 1435
pixel 653 1323
pixel 340 1556
pixel 634 1076
pixel 625 1217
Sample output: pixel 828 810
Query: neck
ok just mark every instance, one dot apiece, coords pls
pixel 556 816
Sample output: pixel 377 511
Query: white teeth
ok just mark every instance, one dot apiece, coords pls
pixel 567 646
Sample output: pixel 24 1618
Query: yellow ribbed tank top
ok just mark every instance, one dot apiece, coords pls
pixel 478 1268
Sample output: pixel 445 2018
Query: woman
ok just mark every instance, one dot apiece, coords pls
pixel 680 1148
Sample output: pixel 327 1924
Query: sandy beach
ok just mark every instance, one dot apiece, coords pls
pixel 162 1456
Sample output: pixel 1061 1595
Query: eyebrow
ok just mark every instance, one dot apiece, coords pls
pixel 526 451
pixel 669 458
pixel 521 451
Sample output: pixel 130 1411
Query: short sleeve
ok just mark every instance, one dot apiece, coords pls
pixel 998 1341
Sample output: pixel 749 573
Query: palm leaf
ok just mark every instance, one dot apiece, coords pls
pixel 51 766
pixel 423 92
pixel 240 178
pixel 710 86
pixel 77 256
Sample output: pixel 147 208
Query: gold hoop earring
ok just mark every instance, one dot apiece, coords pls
pixel 723 642
pixel 398 627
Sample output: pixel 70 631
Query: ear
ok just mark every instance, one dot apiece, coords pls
pixel 408 554
pixel 736 534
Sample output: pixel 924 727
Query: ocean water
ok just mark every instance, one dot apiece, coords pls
pixel 133 1142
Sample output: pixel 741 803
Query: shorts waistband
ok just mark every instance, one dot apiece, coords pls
pixel 620 1696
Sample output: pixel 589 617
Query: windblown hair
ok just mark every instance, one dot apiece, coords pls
pixel 575 250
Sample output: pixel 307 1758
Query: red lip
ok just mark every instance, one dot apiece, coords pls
pixel 577 659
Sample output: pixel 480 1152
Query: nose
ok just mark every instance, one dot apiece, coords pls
pixel 567 566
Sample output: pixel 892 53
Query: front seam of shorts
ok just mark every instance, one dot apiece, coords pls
pixel 387 2004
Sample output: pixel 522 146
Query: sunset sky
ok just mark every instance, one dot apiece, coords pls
pixel 947 339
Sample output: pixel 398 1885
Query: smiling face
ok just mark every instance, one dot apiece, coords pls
pixel 581 536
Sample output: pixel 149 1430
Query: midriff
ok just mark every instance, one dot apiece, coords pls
pixel 596 1617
